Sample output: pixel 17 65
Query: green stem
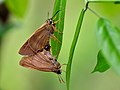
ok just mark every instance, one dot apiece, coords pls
pixel 94 12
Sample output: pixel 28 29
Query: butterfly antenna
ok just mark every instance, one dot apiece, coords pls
pixel 48 15
pixel 55 14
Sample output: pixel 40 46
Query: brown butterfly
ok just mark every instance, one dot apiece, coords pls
pixel 42 61
pixel 40 38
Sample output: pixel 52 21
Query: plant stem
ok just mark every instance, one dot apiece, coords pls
pixel 94 12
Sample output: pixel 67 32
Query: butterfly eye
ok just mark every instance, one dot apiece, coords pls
pixel 51 21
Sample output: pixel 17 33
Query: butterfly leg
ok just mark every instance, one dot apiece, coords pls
pixel 60 79
pixel 55 38
pixel 57 30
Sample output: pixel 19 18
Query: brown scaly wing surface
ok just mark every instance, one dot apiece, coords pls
pixel 40 39
pixel 38 61
pixel 36 42
pixel 26 49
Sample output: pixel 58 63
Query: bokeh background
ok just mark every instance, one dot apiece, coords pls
pixel 15 77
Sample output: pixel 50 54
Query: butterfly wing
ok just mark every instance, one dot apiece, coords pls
pixel 39 39
pixel 26 49
pixel 36 42
pixel 38 61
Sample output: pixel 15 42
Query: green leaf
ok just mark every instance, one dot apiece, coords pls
pixel 17 7
pixel 77 32
pixel 56 45
pixel 102 64
pixel 109 42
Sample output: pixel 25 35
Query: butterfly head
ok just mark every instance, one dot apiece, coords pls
pixel 50 21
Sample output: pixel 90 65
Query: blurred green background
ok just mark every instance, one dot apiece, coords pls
pixel 15 77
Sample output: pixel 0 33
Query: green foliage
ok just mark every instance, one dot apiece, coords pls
pixel 77 32
pixel 108 37
pixel 17 7
pixel 102 64
pixel 109 42
pixel 56 45
pixel 107 34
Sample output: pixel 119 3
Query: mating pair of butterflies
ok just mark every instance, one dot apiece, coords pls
pixel 36 50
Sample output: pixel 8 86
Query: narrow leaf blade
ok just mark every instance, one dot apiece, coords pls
pixel 55 45
pixel 76 35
